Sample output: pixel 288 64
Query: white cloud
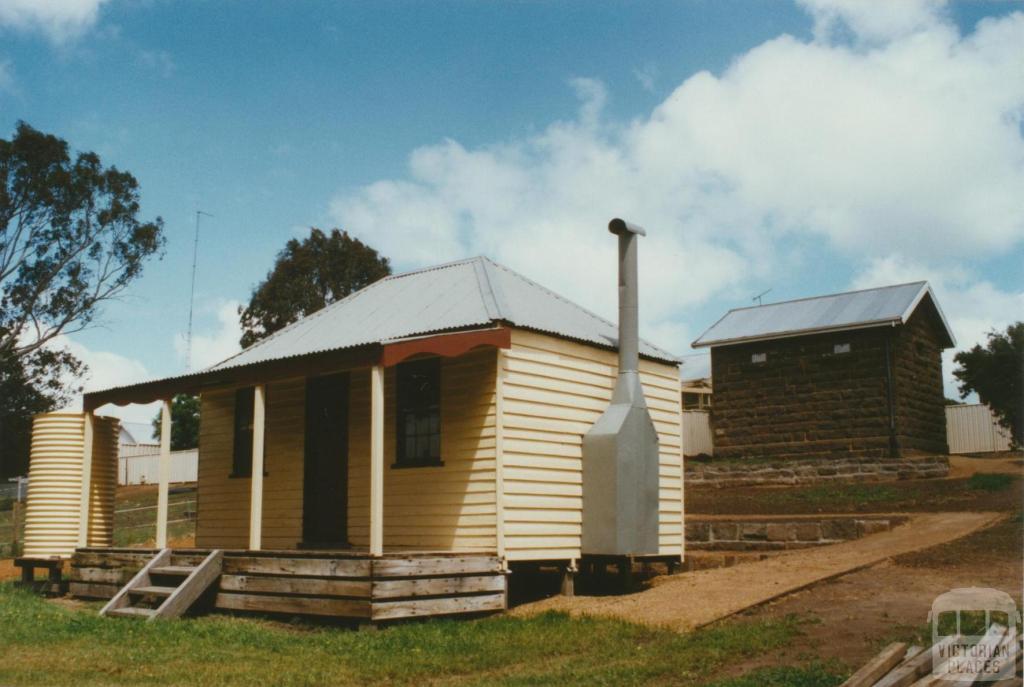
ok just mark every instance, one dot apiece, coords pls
pixel 911 144
pixel 60 20
pixel 213 347
pixel 972 306
pixel 108 370
pixel 871 21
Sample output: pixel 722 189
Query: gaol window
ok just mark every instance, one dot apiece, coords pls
pixel 841 348
pixel 759 358
pixel 419 413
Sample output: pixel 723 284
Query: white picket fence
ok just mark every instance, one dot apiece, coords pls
pixel 697 436
pixel 973 429
pixel 145 469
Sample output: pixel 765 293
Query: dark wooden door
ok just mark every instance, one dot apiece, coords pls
pixel 325 483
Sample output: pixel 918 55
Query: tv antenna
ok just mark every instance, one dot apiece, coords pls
pixel 192 293
pixel 761 295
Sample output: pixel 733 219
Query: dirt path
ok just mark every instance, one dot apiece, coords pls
pixel 686 601
pixel 965 466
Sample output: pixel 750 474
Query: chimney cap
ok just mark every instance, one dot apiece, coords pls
pixel 621 226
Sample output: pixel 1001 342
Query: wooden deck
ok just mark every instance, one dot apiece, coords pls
pixel 338 584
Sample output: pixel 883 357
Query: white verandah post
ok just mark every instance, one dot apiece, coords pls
pixel 163 474
pixel 377 460
pixel 83 514
pixel 259 414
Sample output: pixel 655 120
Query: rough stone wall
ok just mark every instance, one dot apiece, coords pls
pixel 812 471
pixel 920 399
pixel 768 534
pixel 804 399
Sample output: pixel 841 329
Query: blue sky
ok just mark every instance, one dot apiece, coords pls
pixel 807 148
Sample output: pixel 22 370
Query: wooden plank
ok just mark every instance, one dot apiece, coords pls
pixel 377 460
pixel 420 566
pixel 295 585
pixel 312 567
pixel 191 588
pixel 112 560
pixel 881 664
pixel 437 586
pixel 118 576
pixel 141 578
pixel 256 481
pixel 92 590
pixel 392 610
pixel 163 474
pixel 295 605
pixel 916 664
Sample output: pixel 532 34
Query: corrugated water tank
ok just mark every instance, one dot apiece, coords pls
pixel 54 498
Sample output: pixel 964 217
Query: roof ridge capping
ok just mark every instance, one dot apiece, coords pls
pixel 922 282
pixel 554 294
pixel 757 331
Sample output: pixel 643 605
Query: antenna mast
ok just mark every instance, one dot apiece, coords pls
pixel 192 293
pixel 761 295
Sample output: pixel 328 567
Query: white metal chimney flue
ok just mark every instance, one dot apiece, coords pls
pixel 629 300
pixel 620 451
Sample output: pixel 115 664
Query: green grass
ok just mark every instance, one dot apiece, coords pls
pixel 832 493
pixel 45 643
pixel 990 481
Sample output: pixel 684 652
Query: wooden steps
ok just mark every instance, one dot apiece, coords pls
pixel 151 591
pixel 164 588
pixel 173 570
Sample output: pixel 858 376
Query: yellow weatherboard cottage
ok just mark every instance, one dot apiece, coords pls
pixel 395 453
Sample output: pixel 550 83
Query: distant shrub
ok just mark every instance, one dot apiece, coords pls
pixel 990 482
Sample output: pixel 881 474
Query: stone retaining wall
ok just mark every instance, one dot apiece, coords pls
pixel 813 471
pixel 768 534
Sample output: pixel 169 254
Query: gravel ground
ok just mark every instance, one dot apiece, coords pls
pixel 690 600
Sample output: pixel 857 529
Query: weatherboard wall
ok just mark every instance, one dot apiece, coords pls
pixel 450 507
pixel 447 508
pixel 552 391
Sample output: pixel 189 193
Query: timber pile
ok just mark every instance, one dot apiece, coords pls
pixel 900 665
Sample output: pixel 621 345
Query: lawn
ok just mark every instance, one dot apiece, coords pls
pixel 48 643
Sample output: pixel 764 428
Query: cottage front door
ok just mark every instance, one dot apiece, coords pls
pixel 325 480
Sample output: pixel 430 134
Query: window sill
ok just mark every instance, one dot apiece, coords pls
pixel 418 464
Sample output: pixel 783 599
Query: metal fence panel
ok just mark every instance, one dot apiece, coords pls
pixel 973 429
pixel 145 469
pixel 697 436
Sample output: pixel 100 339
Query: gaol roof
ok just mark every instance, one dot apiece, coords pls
pixel 884 306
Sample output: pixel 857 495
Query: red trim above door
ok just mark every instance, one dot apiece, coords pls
pixel 446 345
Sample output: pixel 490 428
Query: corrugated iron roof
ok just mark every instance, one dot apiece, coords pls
pixel 887 305
pixel 458 295
pixel 695 367
pixel 475 292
